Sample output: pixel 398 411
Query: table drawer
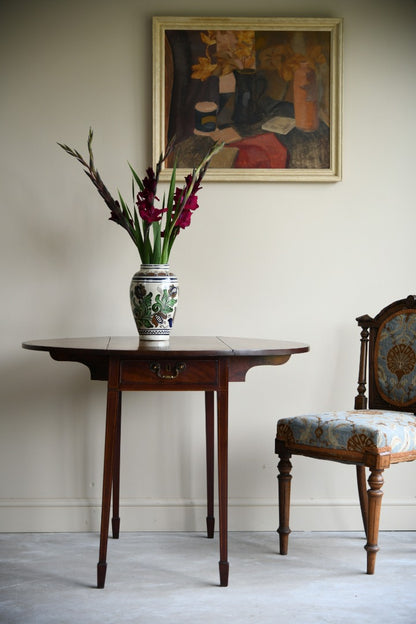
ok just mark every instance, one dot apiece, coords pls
pixel 170 373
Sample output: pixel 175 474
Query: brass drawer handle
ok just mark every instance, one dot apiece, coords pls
pixel 178 368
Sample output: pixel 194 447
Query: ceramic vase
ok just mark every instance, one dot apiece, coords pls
pixel 153 298
pixel 249 89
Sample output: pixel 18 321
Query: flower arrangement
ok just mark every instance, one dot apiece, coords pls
pixel 226 51
pixel 153 226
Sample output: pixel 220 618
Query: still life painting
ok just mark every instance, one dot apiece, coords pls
pixel 269 89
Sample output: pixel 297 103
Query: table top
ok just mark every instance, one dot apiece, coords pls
pixel 132 346
pixel 240 354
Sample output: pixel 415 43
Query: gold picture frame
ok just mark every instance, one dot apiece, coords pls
pixel 270 88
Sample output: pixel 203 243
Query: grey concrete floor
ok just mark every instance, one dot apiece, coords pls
pixel 172 578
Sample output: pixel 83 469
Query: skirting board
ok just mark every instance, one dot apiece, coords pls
pixel 78 515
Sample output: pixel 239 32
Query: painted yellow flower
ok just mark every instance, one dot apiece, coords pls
pixel 204 69
pixel 233 50
pixel 244 49
pixel 316 56
pixel 283 59
pixel 208 37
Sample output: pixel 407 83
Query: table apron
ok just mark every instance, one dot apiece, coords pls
pixel 168 374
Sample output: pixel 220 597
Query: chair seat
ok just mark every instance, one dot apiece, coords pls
pixel 353 430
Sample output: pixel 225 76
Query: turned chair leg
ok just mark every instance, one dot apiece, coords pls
pixel 284 479
pixel 375 496
pixel 362 492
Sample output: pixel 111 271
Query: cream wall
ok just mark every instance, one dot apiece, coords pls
pixel 285 260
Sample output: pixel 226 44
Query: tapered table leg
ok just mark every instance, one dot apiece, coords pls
pixel 113 403
pixel 222 416
pixel 115 521
pixel 209 433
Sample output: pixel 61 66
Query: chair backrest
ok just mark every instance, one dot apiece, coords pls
pixel 391 358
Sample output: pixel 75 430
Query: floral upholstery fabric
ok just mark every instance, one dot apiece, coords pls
pixel 395 359
pixel 351 430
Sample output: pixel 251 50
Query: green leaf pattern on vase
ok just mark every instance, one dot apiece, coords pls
pixel 154 297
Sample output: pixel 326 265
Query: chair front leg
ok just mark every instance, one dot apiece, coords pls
pixel 284 478
pixel 375 496
pixel 362 492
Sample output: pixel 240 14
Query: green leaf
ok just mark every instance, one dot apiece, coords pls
pixel 147 248
pixel 169 225
pixel 172 239
pixel 157 252
pixel 126 209
pixel 136 177
pixel 138 234
pixel 172 187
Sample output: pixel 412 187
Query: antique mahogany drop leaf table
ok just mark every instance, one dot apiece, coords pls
pixel 185 363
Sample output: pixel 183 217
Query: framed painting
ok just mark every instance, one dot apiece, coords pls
pixel 269 88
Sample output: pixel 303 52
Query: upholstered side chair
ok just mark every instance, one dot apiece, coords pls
pixel 380 431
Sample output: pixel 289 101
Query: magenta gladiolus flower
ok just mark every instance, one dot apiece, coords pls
pixel 148 212
pixel 146 199
pixel 184 220
pixel 153 243
pixel 185 214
